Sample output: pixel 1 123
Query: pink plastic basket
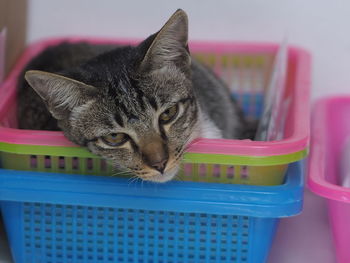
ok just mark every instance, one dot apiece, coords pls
pixel 330 128
pixel 245 67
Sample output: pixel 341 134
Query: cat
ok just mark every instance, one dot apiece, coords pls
pixel 136 106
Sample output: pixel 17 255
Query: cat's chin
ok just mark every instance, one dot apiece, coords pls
pixel 163 178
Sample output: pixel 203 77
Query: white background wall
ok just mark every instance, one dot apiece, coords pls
pixel 322 26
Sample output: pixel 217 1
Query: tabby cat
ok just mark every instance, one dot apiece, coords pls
pixel 136 106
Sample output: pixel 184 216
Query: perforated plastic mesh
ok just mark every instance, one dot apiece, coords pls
pixel 55 233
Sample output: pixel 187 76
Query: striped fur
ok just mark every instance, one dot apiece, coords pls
pixel 125 90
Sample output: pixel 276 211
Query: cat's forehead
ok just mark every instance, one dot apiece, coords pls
pixel 141 100
pixel 119 71
pixel 163 85
pixel 133 92
pixel 137 102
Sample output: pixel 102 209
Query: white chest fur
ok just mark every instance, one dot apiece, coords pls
pixel 208 128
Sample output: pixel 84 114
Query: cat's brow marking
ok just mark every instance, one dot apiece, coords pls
pixel 152 102
pixel 119 119
pixel 140 95
pixel 123 108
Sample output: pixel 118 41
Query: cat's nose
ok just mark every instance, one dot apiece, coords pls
pixel 160 166
pixel 155 153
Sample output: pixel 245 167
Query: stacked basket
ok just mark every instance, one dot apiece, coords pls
pixel 226 211
pixel 330 130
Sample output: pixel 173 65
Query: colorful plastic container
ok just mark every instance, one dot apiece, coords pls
pixel 245 67
pixel 58 218
pixel 330 129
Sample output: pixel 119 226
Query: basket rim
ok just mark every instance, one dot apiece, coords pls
pixel 194 197
pixel 316 179
pixel 189 157
pixel 298 141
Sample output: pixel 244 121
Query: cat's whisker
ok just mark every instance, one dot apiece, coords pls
pixel 121 173
pixel 136 181
pixel 133 179
pixel 181 173
pixel 178 178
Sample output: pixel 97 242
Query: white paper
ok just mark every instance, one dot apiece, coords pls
pixel 272 122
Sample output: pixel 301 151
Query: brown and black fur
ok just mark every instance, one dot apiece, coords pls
pixel 93 91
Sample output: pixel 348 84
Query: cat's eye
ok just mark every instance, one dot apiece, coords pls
pixel 169 114
pixel 115 139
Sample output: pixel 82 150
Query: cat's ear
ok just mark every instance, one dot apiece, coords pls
pixel 170 45
pixel 61 94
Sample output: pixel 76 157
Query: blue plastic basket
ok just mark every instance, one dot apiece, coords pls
pixel 57 218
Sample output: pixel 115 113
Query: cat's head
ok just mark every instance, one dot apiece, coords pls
pixel 134 106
